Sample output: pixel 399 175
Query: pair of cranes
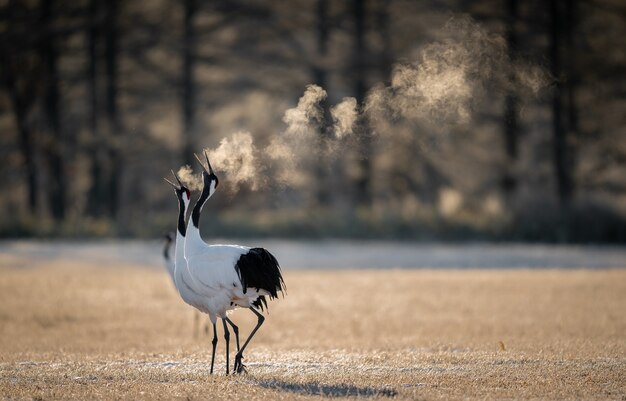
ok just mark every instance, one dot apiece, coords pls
pixel 215 279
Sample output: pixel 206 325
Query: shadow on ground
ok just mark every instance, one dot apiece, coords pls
pixel 328 390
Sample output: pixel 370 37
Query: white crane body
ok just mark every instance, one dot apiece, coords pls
pixel 182 279
pixel 214 277
pixel 170 264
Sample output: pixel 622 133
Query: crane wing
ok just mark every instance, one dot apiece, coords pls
pixel 215 266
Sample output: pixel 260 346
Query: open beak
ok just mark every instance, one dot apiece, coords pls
pixel 170 182
pixel 177 179
pixel 206 156
pixel 200 161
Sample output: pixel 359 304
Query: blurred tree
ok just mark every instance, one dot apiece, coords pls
pixel 319 72
pixel 383 29
pixel 509 178
pixel 97 192
pixel 20 68
pixel 115 127
pixel 359 68
pixel 57 189
pixel 571 32
pixel 21 89
pixel 562 168
pixel 188 84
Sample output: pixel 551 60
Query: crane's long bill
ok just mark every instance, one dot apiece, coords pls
pixel 177 179
pixel 206 156
pixel 170 182
pixel 200 161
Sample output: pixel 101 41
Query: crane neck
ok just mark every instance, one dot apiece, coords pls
pixel 181 274
pixel 193 240
pixel 197 209
pixel 179 249
pixel 182 208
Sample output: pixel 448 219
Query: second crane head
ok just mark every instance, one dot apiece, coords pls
pixel 182 192
pixel 208 176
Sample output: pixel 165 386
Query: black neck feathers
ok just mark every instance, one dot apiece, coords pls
pixel 182 229
pixel 195 214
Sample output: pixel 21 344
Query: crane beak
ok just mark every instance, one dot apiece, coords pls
pixel 170 182
pixel 200 161
pixel 206 156
pixel 177 179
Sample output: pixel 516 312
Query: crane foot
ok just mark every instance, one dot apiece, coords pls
pixel 239 367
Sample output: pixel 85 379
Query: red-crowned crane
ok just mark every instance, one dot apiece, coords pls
pixel 177 268
pixel 228 276
pixel 170 265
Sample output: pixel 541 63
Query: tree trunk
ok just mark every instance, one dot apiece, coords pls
pixel 97 191
pixel 560 150
pixel 320 77
pixel 363 190
pixel 571 16
pixel 112 112
pixel 383 27
pixel 188 90
pixel 54 149
pixel 20 109
pixel 509 178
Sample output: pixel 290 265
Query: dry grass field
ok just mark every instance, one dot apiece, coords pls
pixel 69 330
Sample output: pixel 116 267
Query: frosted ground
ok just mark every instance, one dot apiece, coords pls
pixel 338 254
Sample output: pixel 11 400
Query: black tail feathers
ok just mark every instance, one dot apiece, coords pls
pixel 260 303
pixel 259 269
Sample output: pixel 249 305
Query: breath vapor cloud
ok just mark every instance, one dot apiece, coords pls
pixel 237 157
pixel 441 86
pixel 297 144
pixel 446 80
pixel 344 116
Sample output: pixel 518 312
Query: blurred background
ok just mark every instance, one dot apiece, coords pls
pixel 430 120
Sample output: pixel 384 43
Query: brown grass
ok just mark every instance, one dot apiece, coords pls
pixel 73 331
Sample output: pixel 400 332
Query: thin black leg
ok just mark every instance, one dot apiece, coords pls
pixel 214 346
pixel 227 338
pixel 235 330
pixel 239 367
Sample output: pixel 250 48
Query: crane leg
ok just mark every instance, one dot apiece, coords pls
pixel 239 366
pixel 235 330
pixel 227 338
pixel 214 342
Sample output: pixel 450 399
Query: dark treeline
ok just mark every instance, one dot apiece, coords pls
pixel 100 98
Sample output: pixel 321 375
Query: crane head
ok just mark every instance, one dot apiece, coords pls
pixel 208 176
pixel 182 192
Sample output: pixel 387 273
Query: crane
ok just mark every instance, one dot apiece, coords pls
pixel 170 266
pixel 178 269
pixel 228 276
